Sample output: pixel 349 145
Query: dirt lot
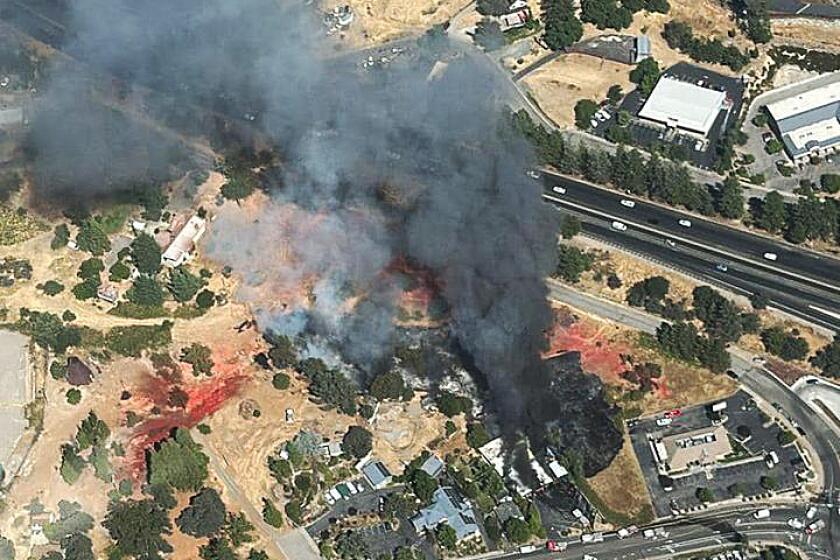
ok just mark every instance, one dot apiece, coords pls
pixel 621 485
pixel 560 84
pixel 378 21
pixel 809 33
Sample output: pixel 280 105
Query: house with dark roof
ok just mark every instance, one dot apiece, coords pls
pixel 78 373
pixel 451 508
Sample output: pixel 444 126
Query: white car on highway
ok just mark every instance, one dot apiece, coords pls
pixel 620 226
pixel 559 190
pixel 771 256
pixel 664 422
pixel 670 243
pixel 533 174
pixel 795 523
pixel 685 223
pixel 628 203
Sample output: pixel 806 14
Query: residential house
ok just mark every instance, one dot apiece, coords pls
pixel 451 508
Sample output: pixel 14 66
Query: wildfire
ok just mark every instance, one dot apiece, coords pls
pixel 597 355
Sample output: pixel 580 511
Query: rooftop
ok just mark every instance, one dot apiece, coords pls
pixel 703 446
pixel 432 466
pixel 805 101
pixel 376 473
pixel 683 104
pixel 450 508
pixel 809 120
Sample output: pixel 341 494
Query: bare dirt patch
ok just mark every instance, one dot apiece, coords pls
pixel 561 83
pixel 621 486
pixel 808 33
pixel 378 21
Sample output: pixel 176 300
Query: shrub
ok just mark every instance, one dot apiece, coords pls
pixel 280 381
pixel 74 396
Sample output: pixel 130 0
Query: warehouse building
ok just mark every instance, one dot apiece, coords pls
pixel 685 106
pixel 807 122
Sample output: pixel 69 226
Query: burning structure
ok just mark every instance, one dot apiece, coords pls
pixel 377 168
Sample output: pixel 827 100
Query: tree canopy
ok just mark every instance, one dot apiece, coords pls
pixel 357 442
pixel 137 528
pixel 178 462
pixel 204 516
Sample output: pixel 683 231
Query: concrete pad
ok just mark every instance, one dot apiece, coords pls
pixel 14 365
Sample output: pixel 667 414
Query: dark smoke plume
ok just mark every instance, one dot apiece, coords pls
pixel 378 165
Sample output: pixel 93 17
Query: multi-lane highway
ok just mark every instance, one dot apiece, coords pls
pixel 803 283
pixel 713 530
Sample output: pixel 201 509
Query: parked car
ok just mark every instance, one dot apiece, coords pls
pixel 762 514
pixel 811 513
pixel 556 546
pixel 795 523
pixel 628 203
pixel 685 223
pixel 815 527
pixel 766 137
pixel 670 243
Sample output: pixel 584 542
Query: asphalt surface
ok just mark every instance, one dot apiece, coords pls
pixel 758 380
pixel 802 283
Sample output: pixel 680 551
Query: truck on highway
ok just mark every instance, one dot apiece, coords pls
pixel 815 527
pixel 588 538
pixel 527 548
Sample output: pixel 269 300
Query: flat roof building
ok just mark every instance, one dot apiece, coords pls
pixel 808 123
pixel 377 474
pixel 679 104
pixel 701 447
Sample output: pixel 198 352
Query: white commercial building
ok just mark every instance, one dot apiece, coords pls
pixel 683 105
pixel 807 122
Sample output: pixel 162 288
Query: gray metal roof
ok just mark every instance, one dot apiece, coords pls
pixel 808 118
pixel 450 508
pixel 432 466
pixel 376 473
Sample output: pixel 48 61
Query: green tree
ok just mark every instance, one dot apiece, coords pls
pixel 85 290
pixel 451 405
pixel 585 110
pixel 204 516
pixel 217 549
pixel 205 299
pixel 200 357
pixel 145 254
pixel 255 554
pixel 271 514
pixel 517 530
pixel 606 14
pixel 423 485
pixel 350 546
pixel 357 442
pixel 704 495
pixel 90 269
pixel 446 536
pixel 731 200
pixel 562 27
pixel 77 546
pixel 92 432
pixel 477 435
pixel 145 291
pixel 492 7
pixel 294 511
pixel 772 215
pixel 615 94
pixel 280 381
pixel 137 528
pixel 184 285
pixel 61 236
pixel 827 359
pixel 51 287
pixel 72 464
pixel 387 386
pixel 238 529
pixel 830 183
pixel 92 238
pixel 769 483
pixel 569 227
pixel 488 35
pixel 118 272
pixel 571 263
pixel 178 462
pixel 239 186
pixel 645 75
pixel 73 396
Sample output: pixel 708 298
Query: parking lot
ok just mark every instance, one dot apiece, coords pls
pixel 14 371
pixel 700 153
pixel 745 467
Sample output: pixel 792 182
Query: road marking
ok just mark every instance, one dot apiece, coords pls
pixel 688 241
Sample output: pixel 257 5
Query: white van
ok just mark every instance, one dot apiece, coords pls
pixel 762 514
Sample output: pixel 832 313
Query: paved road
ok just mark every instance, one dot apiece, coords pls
pixel 703 532
pixel 812 293
pixel 759 381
